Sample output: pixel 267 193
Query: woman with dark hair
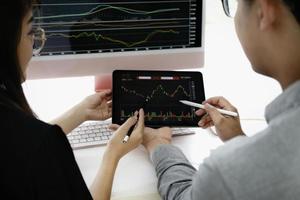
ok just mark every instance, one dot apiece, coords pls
pixel 267 165
pixel 37 161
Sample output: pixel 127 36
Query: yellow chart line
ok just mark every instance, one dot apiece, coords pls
pixel 100 36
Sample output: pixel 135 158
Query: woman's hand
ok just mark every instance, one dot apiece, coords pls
pixel 94 107
pixel 116 148
pixel 97 106
pixel 227 127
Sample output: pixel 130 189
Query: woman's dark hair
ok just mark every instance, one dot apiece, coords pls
pixel 11 75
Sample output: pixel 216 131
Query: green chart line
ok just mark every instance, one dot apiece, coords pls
pixel 100 36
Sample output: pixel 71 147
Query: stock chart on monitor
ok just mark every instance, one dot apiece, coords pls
pixel 99 26
pixel 159 96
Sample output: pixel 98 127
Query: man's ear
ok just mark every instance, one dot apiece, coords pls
pixel 267 13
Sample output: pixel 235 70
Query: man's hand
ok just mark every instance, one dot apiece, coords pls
pixel 154 137
pixel 227 127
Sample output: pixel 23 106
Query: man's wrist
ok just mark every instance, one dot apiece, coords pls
pixel 152 145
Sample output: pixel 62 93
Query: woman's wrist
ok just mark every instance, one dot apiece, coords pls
pixel 110 156
pixel 80 112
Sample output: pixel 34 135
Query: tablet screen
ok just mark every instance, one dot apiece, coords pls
pixel 159 93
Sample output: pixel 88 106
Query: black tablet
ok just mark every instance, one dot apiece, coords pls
pixel 159 93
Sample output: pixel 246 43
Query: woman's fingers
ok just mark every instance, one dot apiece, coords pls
pixel 114 127
pixel 107 95
pixel 124 128
pixel 130 122
pixel 139 128
pixel 109 104
pixel 140 123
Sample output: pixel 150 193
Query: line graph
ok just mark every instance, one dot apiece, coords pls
pixel 127 25
pixel 158 90
pixel 100 36
pixel 159 96
pixel 101 24
pixel 106 7
pixel 162 116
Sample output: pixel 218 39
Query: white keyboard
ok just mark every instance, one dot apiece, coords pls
pixel 97 133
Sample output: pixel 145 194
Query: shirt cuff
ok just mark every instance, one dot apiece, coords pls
pixel 166 151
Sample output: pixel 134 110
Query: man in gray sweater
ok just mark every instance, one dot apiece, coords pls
pixel 267 165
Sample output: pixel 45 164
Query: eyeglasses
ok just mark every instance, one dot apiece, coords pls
pixel 230 7
pixel 39 40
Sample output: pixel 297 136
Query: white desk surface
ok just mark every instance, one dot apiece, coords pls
pixel 224 75
pixel 135 177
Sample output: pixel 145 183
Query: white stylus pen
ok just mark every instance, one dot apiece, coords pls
pixel 197 105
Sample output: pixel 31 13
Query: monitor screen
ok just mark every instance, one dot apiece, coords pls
pixel 87 37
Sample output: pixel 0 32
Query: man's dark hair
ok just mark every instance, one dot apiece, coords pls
pixel 11 75
pixel 294 6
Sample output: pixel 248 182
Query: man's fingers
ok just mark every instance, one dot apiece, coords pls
pixel 208 124
pixel 200 112
pixel 205 118
pixel 214 114
pixel 220 102
pixel 166 132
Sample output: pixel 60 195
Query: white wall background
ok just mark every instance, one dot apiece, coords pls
pixel 228 71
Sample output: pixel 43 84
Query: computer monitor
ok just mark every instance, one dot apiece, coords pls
pixel 91 37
